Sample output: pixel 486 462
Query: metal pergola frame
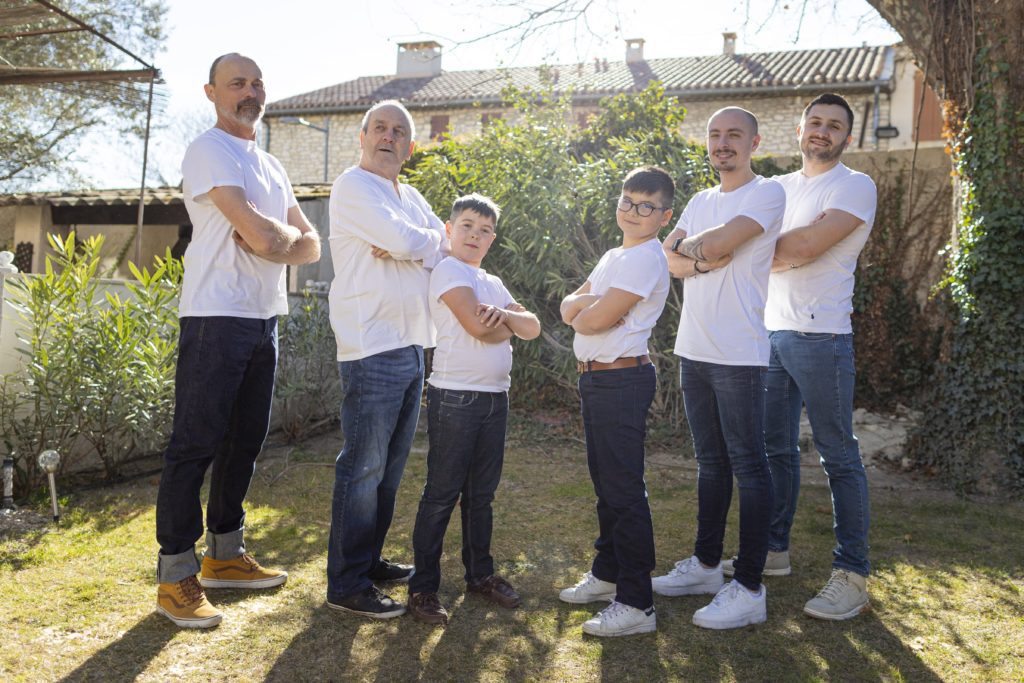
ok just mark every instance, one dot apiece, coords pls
pixel 36 11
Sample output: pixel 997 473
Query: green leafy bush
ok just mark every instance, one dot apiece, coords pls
pixel 99 376
pixel 307 393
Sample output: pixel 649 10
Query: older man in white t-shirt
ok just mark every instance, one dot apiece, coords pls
pixel 246 227
pixel 829 213
pixel 384 239
pixel 722 247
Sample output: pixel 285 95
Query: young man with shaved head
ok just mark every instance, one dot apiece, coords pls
pixel 246 227
pixel 722 248
pixel 829 213
pixel 384 240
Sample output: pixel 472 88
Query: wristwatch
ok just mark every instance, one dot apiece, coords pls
pixel 675 245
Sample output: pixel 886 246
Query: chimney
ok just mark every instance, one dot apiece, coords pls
pixel 634 50
pixel 418 60
pixel 729 44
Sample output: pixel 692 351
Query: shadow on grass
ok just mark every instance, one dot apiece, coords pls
pixel 129 655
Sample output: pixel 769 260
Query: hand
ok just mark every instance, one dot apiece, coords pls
pixel 516 308
pixel 240 241
pixel 818 218
pixel 491 316
pixel 379 252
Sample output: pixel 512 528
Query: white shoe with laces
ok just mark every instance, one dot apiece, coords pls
pixel 843 597
pixel 588 589
pixel 689 577
pixel 618 619
pixel 734 606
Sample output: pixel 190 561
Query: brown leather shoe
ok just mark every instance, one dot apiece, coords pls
pixel 427 608
pixel 497 590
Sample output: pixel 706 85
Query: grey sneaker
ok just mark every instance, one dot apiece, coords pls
pixel 689 577
pixel 777 564
pixel 843 597
pixel 588 589
pixel 618 619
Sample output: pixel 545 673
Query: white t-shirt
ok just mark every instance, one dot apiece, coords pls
pixel 220 278
pixel 381 304
pixel 818 296
pixel 461 361
pixel 722 320
pixel 642 270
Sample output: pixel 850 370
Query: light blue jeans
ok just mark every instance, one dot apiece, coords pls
pixel 379 408
pixel 816 370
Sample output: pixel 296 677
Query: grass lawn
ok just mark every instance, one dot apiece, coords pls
pixel 947 591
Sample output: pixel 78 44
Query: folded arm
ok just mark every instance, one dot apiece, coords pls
pixel 477 319
pixel 722 240
pixel 802 245
pixel 292 243
pixel 681 266
pixel 370 218
pixel 606 312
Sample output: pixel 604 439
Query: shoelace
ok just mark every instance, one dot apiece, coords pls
pixel 586 581
pixel 729 592
pixel 683 566
pixel 836 585
pixel 430 602
pixel 611 610
pixel 191 590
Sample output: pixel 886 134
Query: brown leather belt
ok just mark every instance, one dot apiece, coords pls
pixel 617 364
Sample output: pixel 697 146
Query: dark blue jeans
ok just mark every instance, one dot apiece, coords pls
pixel 467 448
pixel 725 408
pixel 614 404
pixel 816 370
pixel 224 385
pixel 380 405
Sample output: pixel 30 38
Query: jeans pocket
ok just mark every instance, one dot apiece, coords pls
pixel 455 398
pixel 816 336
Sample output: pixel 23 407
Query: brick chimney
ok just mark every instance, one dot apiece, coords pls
pixel 729 43
pixel 634 50
pixel 418 60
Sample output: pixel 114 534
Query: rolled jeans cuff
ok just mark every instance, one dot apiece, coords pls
pixel 224 546
pixel 174 568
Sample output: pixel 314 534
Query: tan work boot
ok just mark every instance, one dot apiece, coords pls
pixel 240 572
pixel 186 605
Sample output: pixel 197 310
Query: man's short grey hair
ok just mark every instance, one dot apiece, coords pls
pixel 749 116
pixel 390 103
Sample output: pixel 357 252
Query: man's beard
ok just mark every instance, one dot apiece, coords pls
pixel 830 153
pixel 249 111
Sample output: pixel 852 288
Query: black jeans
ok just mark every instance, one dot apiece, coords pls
pixel 224 386
pixel 466 432
pixel 614 405
pixel 725 408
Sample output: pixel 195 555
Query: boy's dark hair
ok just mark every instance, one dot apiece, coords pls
pixel 831 98
pixel 651 180
pixel 478 203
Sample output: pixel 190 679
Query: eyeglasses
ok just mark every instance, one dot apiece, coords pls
pixel 643 209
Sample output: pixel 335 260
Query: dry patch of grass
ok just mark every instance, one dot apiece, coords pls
pixel 947 594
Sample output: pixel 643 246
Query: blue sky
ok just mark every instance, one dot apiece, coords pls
pixel 308 44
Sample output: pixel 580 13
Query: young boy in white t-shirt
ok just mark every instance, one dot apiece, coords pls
pixel 467 408
pixel 613 314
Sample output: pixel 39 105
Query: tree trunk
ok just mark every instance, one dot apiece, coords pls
pixel 973 53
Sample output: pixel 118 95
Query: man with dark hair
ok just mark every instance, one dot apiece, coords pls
pixel 389 239
pixel 829 213
pixel 247 226
pixel 723 349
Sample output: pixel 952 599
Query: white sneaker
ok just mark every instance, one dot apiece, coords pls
pixel 734 606
pixel 589 589
pixel 689 577
pixel 776 564
pixel 843 597
pixel 618 619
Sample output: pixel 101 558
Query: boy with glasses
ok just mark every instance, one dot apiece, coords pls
pixel 613 314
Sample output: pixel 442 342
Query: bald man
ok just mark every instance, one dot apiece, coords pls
pixel 722 247
pixel 246 227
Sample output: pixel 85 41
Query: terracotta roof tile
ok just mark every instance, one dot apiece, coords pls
pixel 839 68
